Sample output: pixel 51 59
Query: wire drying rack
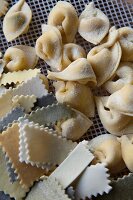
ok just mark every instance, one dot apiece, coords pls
pixel 119 12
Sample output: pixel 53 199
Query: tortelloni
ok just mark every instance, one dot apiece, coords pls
pixel 17 20
pixel 65 18
pixel 77 95
pixel 93 24
pixel 107 149
pixel 126 42
pixel 20 57
pixel 105 58
pixel 71 52
pixel 123 76
pixel 122 100
pixel 127 150
pixel 49 46
pixel 79 70
pixel 74 128
pixel 113 121
pixel 3 7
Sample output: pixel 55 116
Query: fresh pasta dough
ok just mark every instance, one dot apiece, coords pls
pixel 105 58
pixel 71 52
pixel 3 7
pixel 127 150
pixel 49 46
pixel 126 42
pixel 17 20
pixel 65 18
pixel 77 95
pixel 74 128
pixel 20 57
pixel 79 70
pixel 122 100
pixel 93 24
pixel 123 76
pixel 107 149
pixel 113 121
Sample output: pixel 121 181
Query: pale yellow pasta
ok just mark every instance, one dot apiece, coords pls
pixel 79 71
pixel 74 128
pixel 105 58
pixel 126 42
pixel 64 17
pixel 71 52
pixel 17 20
pixel 77 95
pixel 123 76
pixel 107 149
pixel 122 100
pixel 20 57
pixel 113 121
pixel 127 150
pixel 49 46
pixel 93 24
pixel 3 7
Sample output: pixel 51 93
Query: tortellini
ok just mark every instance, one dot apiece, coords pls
pixel 74 128
pixel 113 121
pixel 93 24
pixel 17 20
pixel 127 150
pixel 64 17
pixel 76 95
pixel 79 70
pixel 3 7
pixel 126 42
pixel 122 100
pixel 105 58
pixel 20 57
pixel 49 46
pixel 71 52
pixel 107 149
pixel 123 76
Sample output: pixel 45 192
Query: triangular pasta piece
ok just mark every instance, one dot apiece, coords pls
pixel 27 174
pixel 93 181
pixel 17 20
pixel 47 189
pixel 76 95
pixel 93 24
pixel 14 190
pixel 74 128
pixel 105 58
pixel 79 70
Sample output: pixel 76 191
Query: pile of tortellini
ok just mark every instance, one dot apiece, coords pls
pixel 108 65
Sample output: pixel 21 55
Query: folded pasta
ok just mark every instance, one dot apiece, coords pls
pixel 93 24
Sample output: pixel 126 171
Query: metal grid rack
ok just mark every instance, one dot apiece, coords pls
pixel 119 12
